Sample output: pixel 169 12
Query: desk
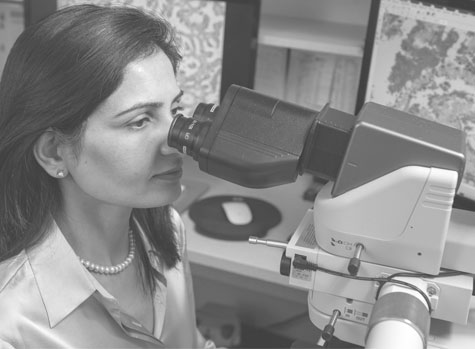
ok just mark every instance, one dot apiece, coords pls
pixel 247 276
pixel 254 261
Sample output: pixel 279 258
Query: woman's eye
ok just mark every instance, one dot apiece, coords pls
pixel 139 123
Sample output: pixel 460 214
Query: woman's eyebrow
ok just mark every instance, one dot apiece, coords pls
pixel 148 105
pixel 140 106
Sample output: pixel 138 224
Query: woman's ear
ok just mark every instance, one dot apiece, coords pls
pixel 49 155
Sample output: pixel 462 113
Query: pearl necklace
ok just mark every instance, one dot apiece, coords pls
pixel 110 270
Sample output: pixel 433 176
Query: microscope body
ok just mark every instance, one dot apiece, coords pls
pixel 380 232
pixel 355 299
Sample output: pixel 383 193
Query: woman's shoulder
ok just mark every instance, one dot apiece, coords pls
pixel 16 281
pixel 9 269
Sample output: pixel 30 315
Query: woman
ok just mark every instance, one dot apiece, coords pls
pixel 91 253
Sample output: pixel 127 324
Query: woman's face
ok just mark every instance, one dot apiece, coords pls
pixel 124 158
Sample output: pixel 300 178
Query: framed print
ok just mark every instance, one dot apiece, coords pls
pixel 420 58
pixel 218 40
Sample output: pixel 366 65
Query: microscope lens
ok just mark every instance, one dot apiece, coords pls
pixel 187 134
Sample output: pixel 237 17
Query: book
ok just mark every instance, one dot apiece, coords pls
pixel 345 83
pixel 309 78
pixel 271 70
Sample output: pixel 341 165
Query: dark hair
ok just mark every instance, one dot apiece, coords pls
pixel 57 73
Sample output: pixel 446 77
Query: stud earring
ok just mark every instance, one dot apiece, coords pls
pixel 60 173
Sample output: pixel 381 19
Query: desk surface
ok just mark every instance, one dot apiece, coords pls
pixel 256 261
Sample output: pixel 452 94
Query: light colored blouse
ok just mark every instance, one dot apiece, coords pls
pixel 49 300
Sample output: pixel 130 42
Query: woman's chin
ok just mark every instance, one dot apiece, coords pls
pixel 163 197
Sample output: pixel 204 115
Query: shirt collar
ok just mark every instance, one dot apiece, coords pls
pixel 62 280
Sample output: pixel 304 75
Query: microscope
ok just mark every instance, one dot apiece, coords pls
pixel 386 259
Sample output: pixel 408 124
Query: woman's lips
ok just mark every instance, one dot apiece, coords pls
pixel 172 175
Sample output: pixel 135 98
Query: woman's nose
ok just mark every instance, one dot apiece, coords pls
pixel 167 150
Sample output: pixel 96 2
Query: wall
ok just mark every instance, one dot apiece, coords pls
pixel 341 11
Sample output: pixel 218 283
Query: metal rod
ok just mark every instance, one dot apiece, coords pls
pixel 335 315
pixel 359 249
pixel 268 242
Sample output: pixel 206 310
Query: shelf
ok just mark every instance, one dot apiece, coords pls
pixel 312 35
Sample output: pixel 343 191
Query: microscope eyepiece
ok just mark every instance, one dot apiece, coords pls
pixel 258 141
pixel 205 112
pixel 187 134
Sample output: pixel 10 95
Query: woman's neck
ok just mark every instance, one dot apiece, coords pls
pixel 98 233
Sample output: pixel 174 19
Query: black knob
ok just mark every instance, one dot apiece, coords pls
pixel 285 265
pixel 327 333
pixel 354 266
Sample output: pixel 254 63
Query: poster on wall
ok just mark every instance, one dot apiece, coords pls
pixel 200 31
pixel 11 26
pixel 420 58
